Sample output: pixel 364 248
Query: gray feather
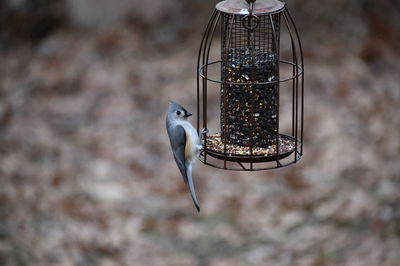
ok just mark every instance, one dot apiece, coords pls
pixel 177 138
pixel 191 187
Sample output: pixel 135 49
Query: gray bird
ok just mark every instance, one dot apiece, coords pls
pixel 185 143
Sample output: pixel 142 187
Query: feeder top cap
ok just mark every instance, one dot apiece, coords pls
pixel 240 7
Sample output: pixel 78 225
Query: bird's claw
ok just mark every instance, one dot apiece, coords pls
pixel 204 131
pixel 202 134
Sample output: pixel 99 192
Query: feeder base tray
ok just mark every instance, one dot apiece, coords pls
pixel 235 153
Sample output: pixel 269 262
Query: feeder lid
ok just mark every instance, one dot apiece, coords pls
pixel 240 7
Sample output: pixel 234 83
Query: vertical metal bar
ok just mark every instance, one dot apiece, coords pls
pixel 293 74
pixel 230 21
pixel 208 49
pixel 296 130
pixel 293 69
pixel 253 80
pixel 302 80
pixel 295 87
pixel 198 67
pixel 207 44
pixel 224 25
pixel 275 41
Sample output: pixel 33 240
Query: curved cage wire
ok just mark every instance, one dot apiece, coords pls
pixel 257 130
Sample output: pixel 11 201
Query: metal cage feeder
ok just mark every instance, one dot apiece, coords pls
pixel 250 86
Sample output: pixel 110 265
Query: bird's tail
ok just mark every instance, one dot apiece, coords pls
pixel 191 188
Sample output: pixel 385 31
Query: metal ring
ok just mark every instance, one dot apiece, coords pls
pixel 299 74
pixel 246 22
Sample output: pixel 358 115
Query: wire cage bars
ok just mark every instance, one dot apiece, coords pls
pixel 250 86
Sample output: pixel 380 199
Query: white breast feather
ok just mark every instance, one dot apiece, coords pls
pixel 192 141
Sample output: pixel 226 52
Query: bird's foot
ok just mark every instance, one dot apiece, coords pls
pixel 203 132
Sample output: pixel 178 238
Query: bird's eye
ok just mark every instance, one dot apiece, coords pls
pixel 178 112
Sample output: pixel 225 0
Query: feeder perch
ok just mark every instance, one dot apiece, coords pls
pixel 250 85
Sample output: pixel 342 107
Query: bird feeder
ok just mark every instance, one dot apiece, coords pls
pixel 260 120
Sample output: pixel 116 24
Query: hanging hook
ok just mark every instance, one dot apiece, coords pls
pixel 247 20
pixel 251 5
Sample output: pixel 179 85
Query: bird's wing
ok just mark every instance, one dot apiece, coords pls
pixel 178 143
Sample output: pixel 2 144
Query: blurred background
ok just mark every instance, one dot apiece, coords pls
pixel 87 176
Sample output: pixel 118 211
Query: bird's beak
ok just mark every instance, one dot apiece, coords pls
pixel 188 114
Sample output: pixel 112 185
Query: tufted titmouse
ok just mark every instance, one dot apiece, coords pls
pixel 185 144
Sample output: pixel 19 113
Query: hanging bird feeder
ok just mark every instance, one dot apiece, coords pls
pixel 260 125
